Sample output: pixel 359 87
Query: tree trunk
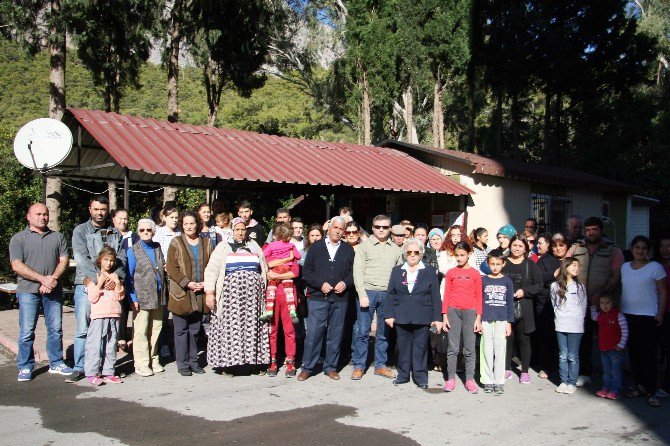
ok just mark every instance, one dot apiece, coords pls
pixel 57 60
pixel 515 122
pixel 558 109
pixel 111 193
pixel 117 91
pixel 438 113
pixel 173 62
pixel 214 88
pixel 410 135
pixel 367 128
pixel 546 136
pixel 498 121
pixel 169 194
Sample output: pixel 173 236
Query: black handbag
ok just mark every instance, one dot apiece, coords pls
pixel 518 313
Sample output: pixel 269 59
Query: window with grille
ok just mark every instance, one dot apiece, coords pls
pixel 550 211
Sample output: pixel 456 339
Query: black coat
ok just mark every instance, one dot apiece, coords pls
pixel 319 269
pixel 422 306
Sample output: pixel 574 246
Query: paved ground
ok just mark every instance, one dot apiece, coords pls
pixel 254 410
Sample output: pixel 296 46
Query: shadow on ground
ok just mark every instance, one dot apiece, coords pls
pixel 134 424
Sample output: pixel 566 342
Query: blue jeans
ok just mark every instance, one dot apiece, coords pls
pixel 568 356
pixel 361 331
pixel 82 312
pixel 29 309
pixel 612 370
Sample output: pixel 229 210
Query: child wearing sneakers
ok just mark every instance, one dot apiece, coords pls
pixel 612 338
pixel 497 318
pixel 568 298
pixel 281 249
pixel 105 313
pixel 462 316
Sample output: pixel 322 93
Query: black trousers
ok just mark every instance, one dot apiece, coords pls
pixel 642 347
pixel 523 342
pixel 586 347
pixel 186 328
pixel 412 353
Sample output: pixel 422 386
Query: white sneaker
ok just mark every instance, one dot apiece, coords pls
pixel 582 380
pixel 569 389
pixel 561 388
pixel 660 393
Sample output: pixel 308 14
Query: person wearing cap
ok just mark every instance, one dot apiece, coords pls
pixel 504 235
pixel 398 235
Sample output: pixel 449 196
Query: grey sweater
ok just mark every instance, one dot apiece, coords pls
pixel 569 313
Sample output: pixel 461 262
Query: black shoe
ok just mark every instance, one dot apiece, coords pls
pixel 422 386
pixel 75 376
pixel 197 369
pixel 185 372
pixel 397 383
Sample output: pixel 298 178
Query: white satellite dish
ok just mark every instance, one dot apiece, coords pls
pixel 42 144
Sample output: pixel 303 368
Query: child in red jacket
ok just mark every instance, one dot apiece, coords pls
pixel 612 338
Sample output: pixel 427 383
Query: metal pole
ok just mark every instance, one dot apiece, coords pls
pixel 126 188
pixel 44 187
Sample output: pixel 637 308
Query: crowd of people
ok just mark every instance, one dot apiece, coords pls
pixel 568 305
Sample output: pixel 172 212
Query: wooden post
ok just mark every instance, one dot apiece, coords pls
pixel 126 188
pixel 111 192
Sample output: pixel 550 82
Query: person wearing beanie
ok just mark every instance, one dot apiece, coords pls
pixel 505 234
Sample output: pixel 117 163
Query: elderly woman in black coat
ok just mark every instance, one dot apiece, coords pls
pixel 413 305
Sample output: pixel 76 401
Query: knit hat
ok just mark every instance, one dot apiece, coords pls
pixel 436 231
pixel 507 230
pixel 237 221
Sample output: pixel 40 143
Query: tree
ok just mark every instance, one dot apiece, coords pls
pixel 231 45
pixel 113 40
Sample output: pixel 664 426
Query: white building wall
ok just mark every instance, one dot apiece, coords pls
pixel 586 203
pixel 638 222
pixel 496 202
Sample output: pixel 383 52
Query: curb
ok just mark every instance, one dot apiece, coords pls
pixel 13 346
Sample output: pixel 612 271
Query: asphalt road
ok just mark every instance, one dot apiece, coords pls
pixel 210 409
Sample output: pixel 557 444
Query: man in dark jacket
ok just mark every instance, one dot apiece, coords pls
pixel 328 272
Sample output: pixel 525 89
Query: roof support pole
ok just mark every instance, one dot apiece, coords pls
pixel 126 188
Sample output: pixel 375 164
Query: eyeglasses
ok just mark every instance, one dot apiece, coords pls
pixel 145 230
pixel 398 235
pixel 351 232
pixel 413 253
pixel 384 227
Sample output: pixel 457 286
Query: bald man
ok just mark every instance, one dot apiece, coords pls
pixel 39 257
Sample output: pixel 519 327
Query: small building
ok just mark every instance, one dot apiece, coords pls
pixel 509 191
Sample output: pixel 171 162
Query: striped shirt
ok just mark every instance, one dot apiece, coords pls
pixel 242 261
pixel 163 236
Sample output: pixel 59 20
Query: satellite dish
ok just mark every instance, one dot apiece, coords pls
pixel 42 144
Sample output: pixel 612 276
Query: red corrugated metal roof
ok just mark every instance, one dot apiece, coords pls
pixel 511 168
pixel 161 147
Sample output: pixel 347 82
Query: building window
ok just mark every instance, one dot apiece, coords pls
pixel 551 211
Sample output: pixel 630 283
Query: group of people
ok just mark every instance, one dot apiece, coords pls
pixel 429 296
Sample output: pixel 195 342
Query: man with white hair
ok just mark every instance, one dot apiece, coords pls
pixel 328 271
pixel 146 286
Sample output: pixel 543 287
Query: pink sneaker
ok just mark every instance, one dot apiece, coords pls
pixel 449 385
pixel 508 374
pixel 112 379
pixel 602 393
pixel 613 396
pixel 471 386
pixel 94 380
pixel 524 378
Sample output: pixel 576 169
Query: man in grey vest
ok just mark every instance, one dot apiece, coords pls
pixel 39 257
pixel 88 239
pixel 600 262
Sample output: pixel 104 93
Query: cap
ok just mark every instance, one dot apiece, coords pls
pixel 398 230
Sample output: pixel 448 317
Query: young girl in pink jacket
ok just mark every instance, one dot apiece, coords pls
pixel 105 295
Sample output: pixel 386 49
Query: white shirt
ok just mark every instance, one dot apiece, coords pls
pixel 299 244
pixel 411 276
pixel 639 293
pixel 332 248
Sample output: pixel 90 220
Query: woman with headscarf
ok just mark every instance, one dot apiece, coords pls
pixel 235 281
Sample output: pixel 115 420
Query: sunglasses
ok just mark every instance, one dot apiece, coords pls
pixel 145 230
pixel 351 232
pixel 381 227
pixel 398 235
pixel 413 253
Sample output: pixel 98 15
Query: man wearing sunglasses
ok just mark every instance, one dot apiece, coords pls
pixel 375 258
